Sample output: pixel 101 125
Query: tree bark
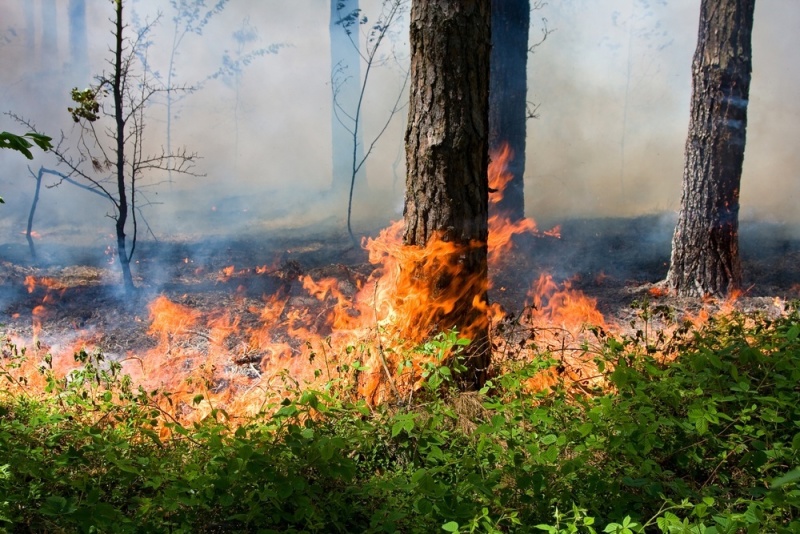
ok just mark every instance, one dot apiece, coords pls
pixel 508 91
pixel 447 158
pixel 705 245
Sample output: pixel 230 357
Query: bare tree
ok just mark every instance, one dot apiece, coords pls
pixel 349 93
pixel 509 108
pixel 190 18
pixel 345 83
pixel 109 155
pixel 705 245
pixel 447 160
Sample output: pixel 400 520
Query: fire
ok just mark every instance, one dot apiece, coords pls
pixel 226 273
pixel 501 228
pixel 562 305
pixel 170 319
pixel 237 355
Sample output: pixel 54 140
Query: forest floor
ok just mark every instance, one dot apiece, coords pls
pixel 74 291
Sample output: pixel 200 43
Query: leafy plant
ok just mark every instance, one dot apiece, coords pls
pixel 709 443
pixel 21 143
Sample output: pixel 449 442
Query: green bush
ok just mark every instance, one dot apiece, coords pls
pixel 707 443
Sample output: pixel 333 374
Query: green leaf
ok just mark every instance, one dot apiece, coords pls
pixel 450 526
pixel 788 478
pixel 549 439
pixel 397 428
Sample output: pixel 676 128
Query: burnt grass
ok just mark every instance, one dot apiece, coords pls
pixel 614 261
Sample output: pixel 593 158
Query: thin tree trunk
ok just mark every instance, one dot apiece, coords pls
pixel 346 134
pixel 49 35
pixel 447 158
pixel 119 118
pixel 78 42
pixel 705 245
pixel 508 91
pixel 30 25
pixel 32 212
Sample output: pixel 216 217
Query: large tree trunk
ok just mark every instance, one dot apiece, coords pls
pixel 705 246
pixel 508 91
pixel 446 158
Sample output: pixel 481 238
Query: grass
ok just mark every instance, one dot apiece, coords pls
pixel 707 440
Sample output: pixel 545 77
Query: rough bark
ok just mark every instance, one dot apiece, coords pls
pixel 447 158
pixel 508 90
pixel 705 245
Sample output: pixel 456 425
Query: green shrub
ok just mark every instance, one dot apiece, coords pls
pixel 707 443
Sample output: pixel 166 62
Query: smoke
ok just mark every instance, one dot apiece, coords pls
pixel 612 82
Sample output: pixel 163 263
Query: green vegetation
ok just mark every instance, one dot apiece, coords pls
pixel 22 145
pixel 708 443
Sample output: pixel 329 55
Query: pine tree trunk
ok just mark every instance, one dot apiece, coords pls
pixel 447 158
pixel 705 245
pixel 508 91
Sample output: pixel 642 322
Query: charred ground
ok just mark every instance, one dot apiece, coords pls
pixel 614 261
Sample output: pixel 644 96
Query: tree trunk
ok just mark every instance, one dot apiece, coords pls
pixel 78 43
pixel 508 91
pixel 346 135
pixel 447 158
pixel 119 135
pixel 49 35
pixel 705 245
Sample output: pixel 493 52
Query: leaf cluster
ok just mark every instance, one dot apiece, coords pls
pixel 21 143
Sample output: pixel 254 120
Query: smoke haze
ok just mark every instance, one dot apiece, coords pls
pixel 612 82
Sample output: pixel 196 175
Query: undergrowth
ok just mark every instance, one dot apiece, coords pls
pixel 708 441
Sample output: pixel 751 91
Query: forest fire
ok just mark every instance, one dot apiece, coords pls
pixel 306 323
pixel 276 324
pixel 501 228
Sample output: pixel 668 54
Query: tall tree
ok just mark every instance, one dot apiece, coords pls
pixel 78 41
pixel 508 89
pixel 49 34
pixel 447 159
pixel 30 25
pixel 705 245
pixel 346 133
pixel 110 158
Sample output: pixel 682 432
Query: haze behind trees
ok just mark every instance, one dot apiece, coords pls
pixel 586 156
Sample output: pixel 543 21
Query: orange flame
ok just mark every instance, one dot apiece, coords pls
pixel 501 228
pixel 233 358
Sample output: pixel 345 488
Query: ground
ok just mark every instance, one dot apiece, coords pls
pixel 613 262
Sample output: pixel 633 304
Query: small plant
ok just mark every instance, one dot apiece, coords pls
pixel 443 359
